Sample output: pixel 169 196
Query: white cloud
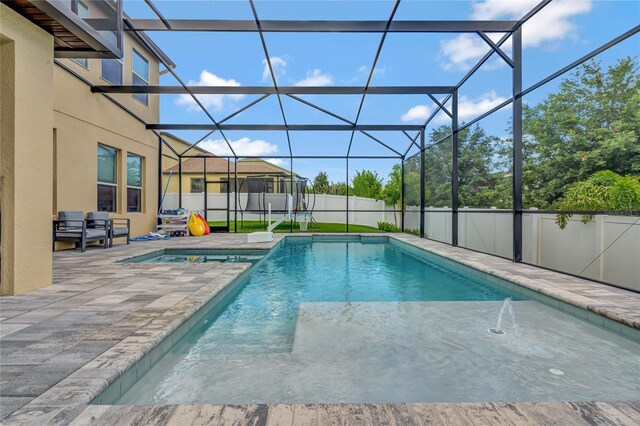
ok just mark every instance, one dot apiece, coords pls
pixel 418 112
pixel 362 73
pixel 365 70
pixel 471 108
pixel 467 109
pixel 492 9
pixel 316 78
pixel 552 23
pixel 278 63
pixel 276 161
pixel 217 102
pixel 242 146
pixel 462 50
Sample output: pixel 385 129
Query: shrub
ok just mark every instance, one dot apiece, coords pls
pixel 388 227
pixel 603 191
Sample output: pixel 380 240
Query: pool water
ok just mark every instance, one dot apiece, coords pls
pixel 368 322
pixel 199 256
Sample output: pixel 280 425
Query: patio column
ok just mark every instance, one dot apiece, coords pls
pixel 455 152
pixel 160 143
pixel 206 194
pixel 180 181
pixel 347 197
pixel 401 194
pixel 292 193
pixel 236 191
pixel 26 154
pixel 422 183
pixel 517 145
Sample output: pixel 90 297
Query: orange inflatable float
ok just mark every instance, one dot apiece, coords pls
pixel 196 226
pixel 207 230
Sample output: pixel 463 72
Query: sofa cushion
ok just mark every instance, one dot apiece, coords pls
pixel 71 219
pixel 90 233
pixel 98 215
pixel 119 232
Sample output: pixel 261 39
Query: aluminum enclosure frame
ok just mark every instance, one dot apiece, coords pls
pixel 511 30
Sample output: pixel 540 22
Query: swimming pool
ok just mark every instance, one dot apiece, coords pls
pixel 336 320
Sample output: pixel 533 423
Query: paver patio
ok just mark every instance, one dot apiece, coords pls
pixel 63 345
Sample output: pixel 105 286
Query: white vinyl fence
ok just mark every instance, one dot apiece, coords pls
pixel 607 248
pixel 376 210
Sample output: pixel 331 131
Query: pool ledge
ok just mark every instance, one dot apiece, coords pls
pixel 618 305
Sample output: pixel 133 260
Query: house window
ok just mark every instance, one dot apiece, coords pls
pixel 259 185
pixel 82 9
pixel 284 185
pixel 140 75
pixel 84 62
pixel 111 70
pixel 107 178
pixel 134 183
pixel 197 184
pixel 224 185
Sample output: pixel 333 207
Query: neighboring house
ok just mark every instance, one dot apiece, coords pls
pixel 253 174
pixel 180 145
pixel 64 147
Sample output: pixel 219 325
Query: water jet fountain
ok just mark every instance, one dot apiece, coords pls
pixel 506 312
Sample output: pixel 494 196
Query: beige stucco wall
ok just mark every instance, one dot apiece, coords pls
pixel 150 113
pixel 26 154
pixel 82 121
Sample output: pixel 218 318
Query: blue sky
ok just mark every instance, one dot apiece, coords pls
pixel 564 31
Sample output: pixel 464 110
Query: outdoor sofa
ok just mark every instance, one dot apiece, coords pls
pixel 118 227
pixel 72 226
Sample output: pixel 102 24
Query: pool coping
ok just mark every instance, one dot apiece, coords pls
pixel 90 380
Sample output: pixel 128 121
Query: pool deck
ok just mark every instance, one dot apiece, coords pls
pixel 62 345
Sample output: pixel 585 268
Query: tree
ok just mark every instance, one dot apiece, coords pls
pixel 412 182
pixel 604 190
pixel 321 183
pixel 338 188
pixel 367 184
pixel 392 191
pixel 591 124
pixel 483 180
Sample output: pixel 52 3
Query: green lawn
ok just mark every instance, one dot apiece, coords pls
pixel 255 226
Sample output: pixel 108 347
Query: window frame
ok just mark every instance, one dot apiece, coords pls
pixel 138 96
pixel 191 182
pixel 141 187
pixel 110 184
pixel 224 185
pixel 121 61
pixel 79 61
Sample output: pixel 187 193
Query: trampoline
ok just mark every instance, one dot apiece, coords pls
pixel 260 192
